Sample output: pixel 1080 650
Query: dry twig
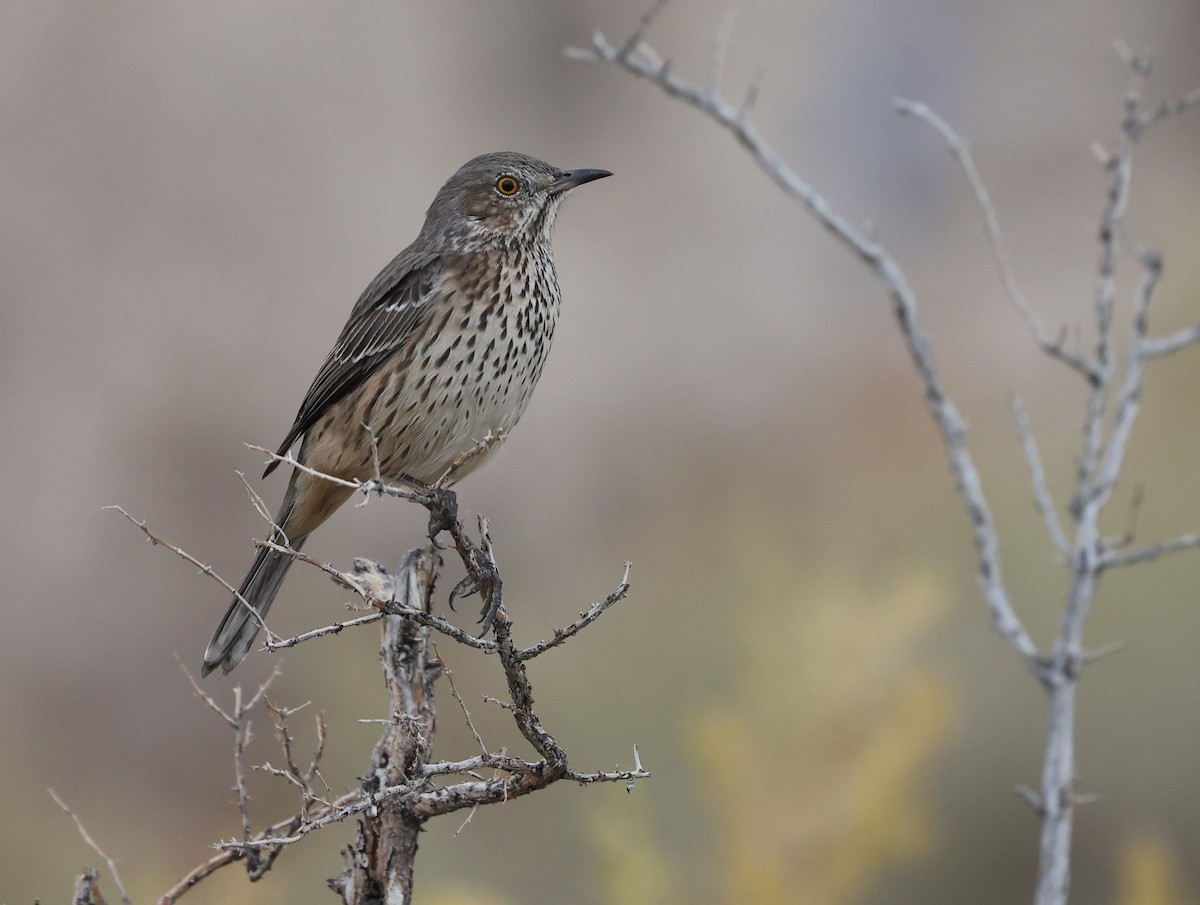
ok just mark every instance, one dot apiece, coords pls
pixel 397 796
pixel 86 887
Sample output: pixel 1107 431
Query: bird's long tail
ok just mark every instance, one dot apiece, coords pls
pixel 235 635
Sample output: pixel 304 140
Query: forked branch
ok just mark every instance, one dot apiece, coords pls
pixel 1109 386
pixel 398 793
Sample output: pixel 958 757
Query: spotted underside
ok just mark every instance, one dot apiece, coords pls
pixel 480 336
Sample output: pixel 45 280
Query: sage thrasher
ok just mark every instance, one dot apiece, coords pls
pixel 441 349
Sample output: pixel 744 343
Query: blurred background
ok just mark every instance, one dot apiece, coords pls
pixel 195 194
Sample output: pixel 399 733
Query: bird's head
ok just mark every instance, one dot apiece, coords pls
pixel 500 198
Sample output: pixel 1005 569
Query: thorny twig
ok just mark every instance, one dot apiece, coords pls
pixel 391 596
pixel 482 574
pixel 91 843
pixel 458 697
pixel 334 629
pixel 585 619
pixel 203 567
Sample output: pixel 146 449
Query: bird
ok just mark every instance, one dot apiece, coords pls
pixel 442 349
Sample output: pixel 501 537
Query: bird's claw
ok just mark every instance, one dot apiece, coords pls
pixel 486 584
pixel 443 513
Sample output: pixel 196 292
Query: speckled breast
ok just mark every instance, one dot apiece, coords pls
pixel 473 365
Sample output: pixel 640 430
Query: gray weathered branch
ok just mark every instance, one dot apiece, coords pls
pixel 1103 453
pixel 397 796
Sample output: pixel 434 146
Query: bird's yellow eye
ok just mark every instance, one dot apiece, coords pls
pixel 507 185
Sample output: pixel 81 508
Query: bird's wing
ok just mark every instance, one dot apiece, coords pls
pixel 382 320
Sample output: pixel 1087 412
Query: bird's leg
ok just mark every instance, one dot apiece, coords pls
pixel 443 512
pixel 483 575
pixel 484 579
pixel 442 504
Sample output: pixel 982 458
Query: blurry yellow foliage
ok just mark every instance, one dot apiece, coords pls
pixel 634 870
pixel 813 770
pixel 1149 873
pixel 442 895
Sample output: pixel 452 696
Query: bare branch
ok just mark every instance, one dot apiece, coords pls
pixel 302 779
pixel 1120 166
pixel 87 889
pixel 635 39
pixel 585 619
pixel 466 820
pixel 1118 558
pixel 629 777
pixel 263 688
pixel 91 843
pixel 490 440
pixel 241 738
pixel 376 473
pixel 516 777
pixel 437 623
pixel 203 567
pixel 458 697
pixel 364 487
pixel 1165 109
pixel 484 761
pixel 206 697
pixel 196 875
pixel 637 766
pixel 1167 345
pixel 1101 457
pixel 1031 798
pixel 259 504
pixel 720 51
pixel 642 62
pixel 365 581
pixel 1096 476
pixel 1037 476
pixel 334 629
pixel 1109 466
pixel 339 577
pixel 626 776
pixel 1104 650
pixel 237 853
pixel 398 783
pixel 962 153
pixel 295 829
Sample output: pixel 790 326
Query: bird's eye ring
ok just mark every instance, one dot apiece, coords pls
pixel 507 186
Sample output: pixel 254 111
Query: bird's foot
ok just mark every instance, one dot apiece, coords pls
pixel 487 583
pixel 442 504
pixel 443 512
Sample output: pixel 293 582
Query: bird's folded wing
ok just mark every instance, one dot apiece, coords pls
pixel 382 321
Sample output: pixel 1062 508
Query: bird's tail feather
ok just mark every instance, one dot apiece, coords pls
pixel 235 635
